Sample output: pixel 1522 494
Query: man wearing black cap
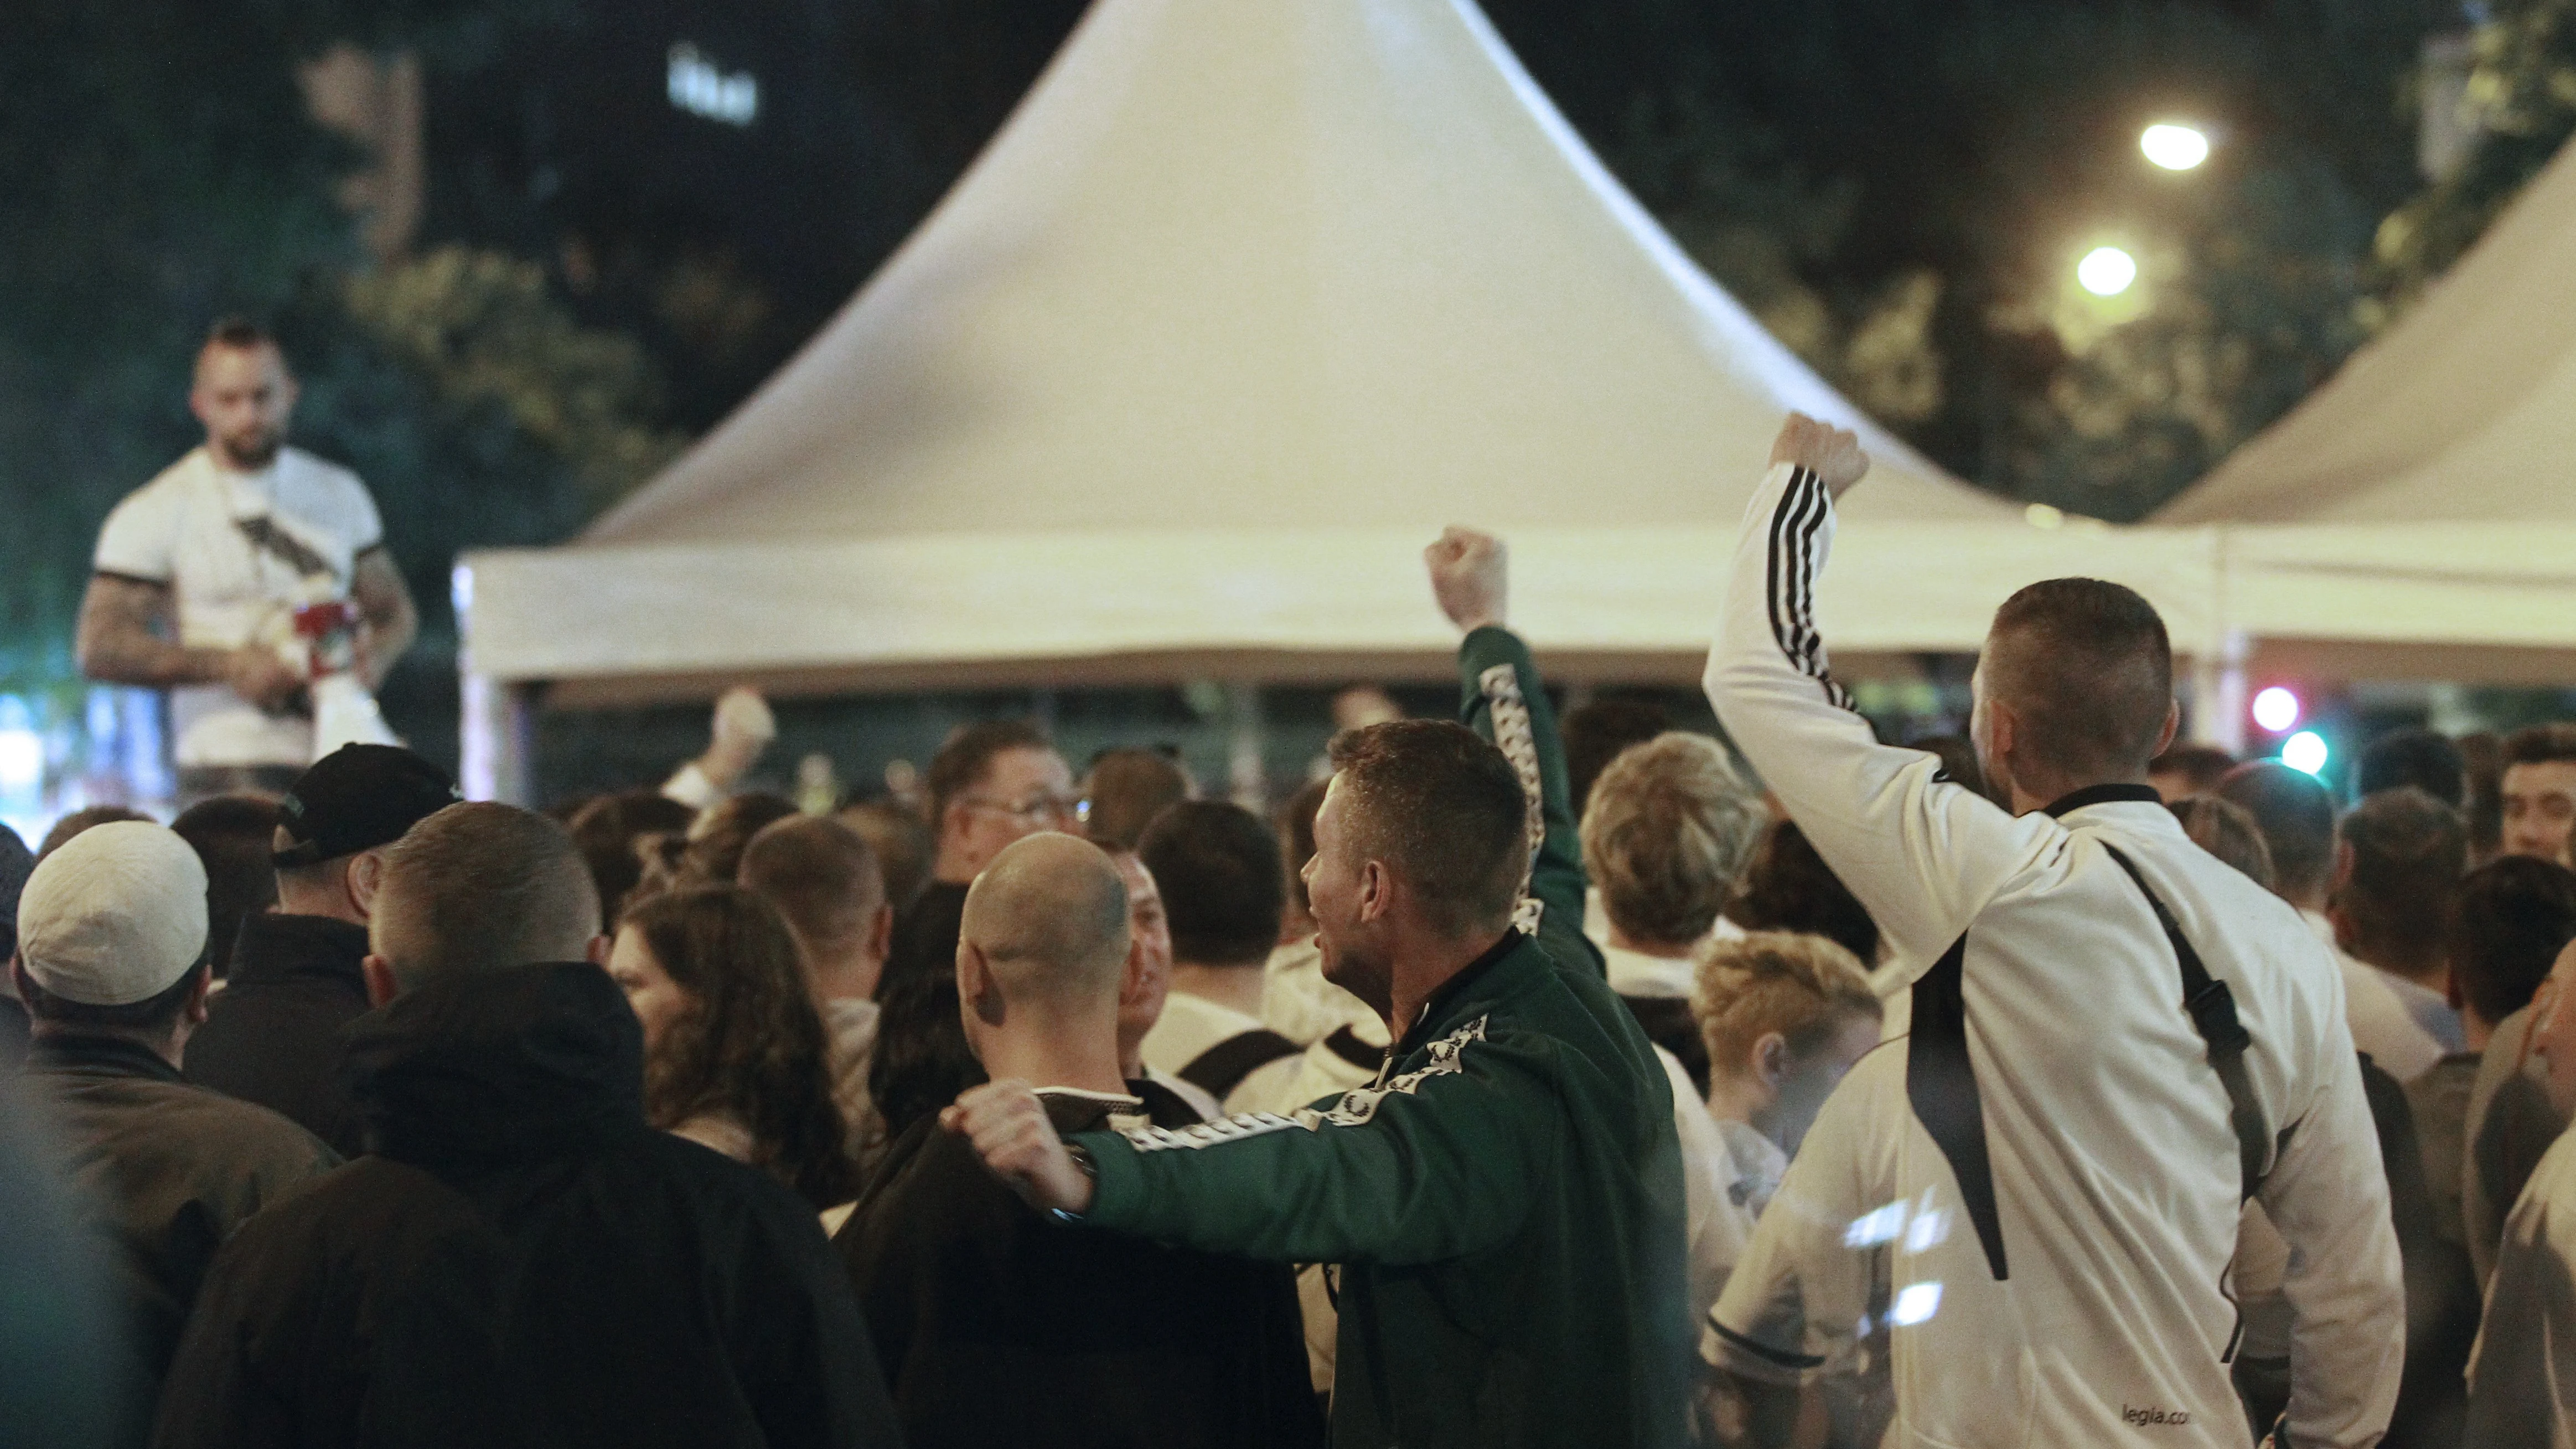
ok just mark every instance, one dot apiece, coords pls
pixel 272 1036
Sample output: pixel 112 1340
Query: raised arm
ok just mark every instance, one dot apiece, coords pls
pixel 123 639
pixel 1923 854
pixel 1500 698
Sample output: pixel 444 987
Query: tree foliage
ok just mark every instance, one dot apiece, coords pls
pixel 162 170
pixel 2521 103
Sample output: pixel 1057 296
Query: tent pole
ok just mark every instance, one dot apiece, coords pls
pixel 1245 776
pixel 496 739
pixel 2218 696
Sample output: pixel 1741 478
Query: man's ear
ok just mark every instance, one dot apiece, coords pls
pixel 1376 890
pixel 381 989
pixel 881 934
pixel 2173 723
pixel 2002 725
pixel 975 984
pixel 366 872
pixel 1771 1061
pixel 194 1013
pixel 597 952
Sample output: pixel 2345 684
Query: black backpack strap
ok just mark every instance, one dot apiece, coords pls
pixel 1221 1068
pixel 1346 1044
pixel 2212 1009
pixel 1941 1086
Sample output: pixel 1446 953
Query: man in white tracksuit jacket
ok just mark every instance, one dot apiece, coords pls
pixel 2038 1186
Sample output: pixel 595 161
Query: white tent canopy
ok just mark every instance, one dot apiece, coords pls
pixel 2417 514
pixel 1245 303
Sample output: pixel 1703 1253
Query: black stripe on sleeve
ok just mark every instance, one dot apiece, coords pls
pixel 1763 1351
pixel 1791 579
pixel 1773 590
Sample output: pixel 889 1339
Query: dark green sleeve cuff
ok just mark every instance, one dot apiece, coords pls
pixel 1119 1191
pixel 1484 648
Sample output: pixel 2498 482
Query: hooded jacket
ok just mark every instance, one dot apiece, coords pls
pixel 524 1261
pixel 272 1035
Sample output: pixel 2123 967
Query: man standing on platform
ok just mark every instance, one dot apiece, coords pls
pixel 199 575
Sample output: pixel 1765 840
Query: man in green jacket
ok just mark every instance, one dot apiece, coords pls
pixel 1505 1201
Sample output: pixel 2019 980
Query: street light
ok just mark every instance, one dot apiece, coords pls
pixel 2106 271
pixel 2175 148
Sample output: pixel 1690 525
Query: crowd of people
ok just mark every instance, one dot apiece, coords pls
pixel 1609 1084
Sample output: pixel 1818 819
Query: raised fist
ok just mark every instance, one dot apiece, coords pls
pixel 1832 454
pixel 1471 576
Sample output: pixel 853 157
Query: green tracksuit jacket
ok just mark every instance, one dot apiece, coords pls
pixel 1505 1201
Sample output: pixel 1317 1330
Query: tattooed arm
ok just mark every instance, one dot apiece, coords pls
pixel 123 639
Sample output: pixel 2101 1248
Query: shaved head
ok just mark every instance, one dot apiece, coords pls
pixel 1049 917
pixel 2086 669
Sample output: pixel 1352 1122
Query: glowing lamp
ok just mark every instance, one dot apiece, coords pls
pixel 2276 709
pixel 2175 148
pixel 2305 752
pixel 2106 271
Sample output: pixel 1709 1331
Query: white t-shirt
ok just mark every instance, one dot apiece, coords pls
pixel 1720 1202
pixel 2382 1026
pixel 1298 1003
pixel 240 553
pixel 1634 973
pixel 849 1043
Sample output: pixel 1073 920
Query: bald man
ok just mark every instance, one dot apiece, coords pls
pixel 997 1324
pixel 2114 1041
pixel 199 574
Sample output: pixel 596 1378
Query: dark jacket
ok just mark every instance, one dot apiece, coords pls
pixel 524 1262
pixel 1000 1327
pixel 272 1035
pixel 165 1170
pixel 1505 1201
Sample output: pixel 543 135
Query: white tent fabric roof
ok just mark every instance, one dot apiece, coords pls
pixel 2425 496
pixel 1247 301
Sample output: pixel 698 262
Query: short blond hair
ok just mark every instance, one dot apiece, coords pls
pixel 1803 987
pixel 1668 829
pixel 479 887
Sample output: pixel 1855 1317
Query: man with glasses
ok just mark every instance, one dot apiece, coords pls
pixel 991 784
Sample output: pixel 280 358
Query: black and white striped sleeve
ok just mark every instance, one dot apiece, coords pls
pixel 1795 557
pixel 1921 853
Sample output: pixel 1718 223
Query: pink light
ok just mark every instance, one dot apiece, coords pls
pixel 2276 709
